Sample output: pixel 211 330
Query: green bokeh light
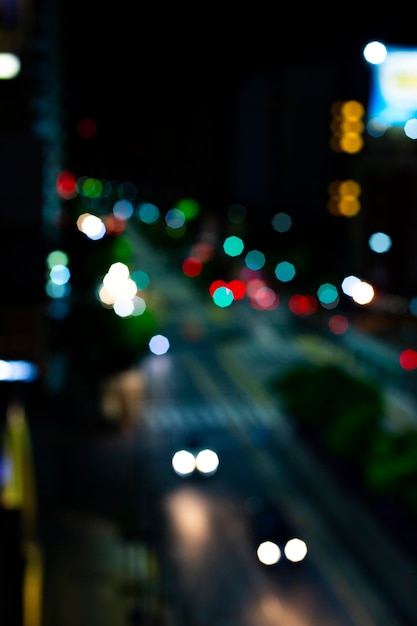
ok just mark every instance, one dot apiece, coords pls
pixel 189 207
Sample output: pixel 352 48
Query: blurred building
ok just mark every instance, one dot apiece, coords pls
pixel 30 157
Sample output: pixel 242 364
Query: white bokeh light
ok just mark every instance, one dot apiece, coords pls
pixel 362 293
pixel 183 462
pixel 375 52
pixel 268 553
pixel 159 345
pixel 207 461
pixel 10 65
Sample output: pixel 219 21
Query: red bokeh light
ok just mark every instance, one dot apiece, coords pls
pixel 192 266
pixel 204 251
pixel 216 284
pixel 408 359
pixel 338 324
pixel 302 305
pixel 66 185
pixel 86 128
pixel 265 299
pixel 114 225
pixel 238 288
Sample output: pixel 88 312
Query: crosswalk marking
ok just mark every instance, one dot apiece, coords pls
pixel 209 415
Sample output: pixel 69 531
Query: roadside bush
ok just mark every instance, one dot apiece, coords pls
pixel 342 411
pixel 391 468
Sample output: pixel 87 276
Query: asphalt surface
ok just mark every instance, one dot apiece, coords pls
pixel 99 534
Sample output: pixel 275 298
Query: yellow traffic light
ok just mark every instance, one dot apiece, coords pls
pixel 344 198
pixel 347 126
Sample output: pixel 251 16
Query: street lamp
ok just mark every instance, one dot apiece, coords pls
pixel 9 65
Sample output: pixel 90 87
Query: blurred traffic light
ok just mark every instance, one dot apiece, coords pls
pixel 344 198
pixel 347 126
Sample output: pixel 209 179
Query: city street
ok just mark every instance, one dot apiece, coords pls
pixel 195 205
pixel 124 535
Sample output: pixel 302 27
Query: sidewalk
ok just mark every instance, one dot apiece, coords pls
pixel 94 576
pixel 99 564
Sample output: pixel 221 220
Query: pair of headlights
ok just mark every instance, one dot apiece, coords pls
pixel 294 550
pixel 186 462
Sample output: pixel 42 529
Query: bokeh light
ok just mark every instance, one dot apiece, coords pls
pixel 175 219
pixel 189 207
pixel 147 213
pixel 24 371
pixel 92 226
pixel 90 187
pixel 233 246
pixel 203 250
pixel 183 463
pixel 60 274
pixel 141 279
pixel 284 271
pixel 87 127
pixel 223 297
pixel 349 283
pixel 328 295
pixel 300 304
pixel 123 209
pixel 265 298
pixel 192 267
pixel 159 344
pixel 379 242
pixel 238 288
pixel 375 52
pixel 338 324
pixel 408 359
pixel 10 65
pixel 268 553
pixel 362 292
pixel 281 222
pixel 207 462
pixel 57 257
pixel 66 185
pixel 255 260
pixel 215 285
pixel 410 128
pixel 295 550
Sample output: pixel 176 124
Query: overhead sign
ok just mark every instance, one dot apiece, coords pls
pixel 393 93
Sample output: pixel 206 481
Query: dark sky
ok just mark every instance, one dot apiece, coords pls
pixel 165 84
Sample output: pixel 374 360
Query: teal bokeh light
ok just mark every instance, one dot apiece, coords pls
pixel 223 297
pixel 147 213
pixel 285 271
pixel 255 260
pixel 327 293
pixel 233 246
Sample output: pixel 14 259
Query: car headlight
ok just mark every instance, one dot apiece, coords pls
pixel 183 463
pixel 269 552
pixel 295 550
pixel 205 462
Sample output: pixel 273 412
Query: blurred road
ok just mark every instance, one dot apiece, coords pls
pixel 116 539
pixel 126 541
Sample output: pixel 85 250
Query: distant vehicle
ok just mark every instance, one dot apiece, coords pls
pixel 189 461
pixel 276 543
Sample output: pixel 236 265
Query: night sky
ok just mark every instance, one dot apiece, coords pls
pixel 204 102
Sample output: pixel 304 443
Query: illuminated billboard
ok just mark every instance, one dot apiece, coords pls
pixel 393 88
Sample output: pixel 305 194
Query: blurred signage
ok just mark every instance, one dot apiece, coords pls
pixel 393 93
